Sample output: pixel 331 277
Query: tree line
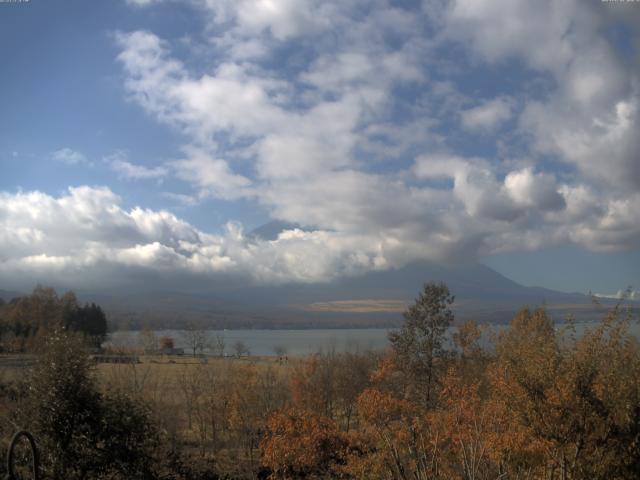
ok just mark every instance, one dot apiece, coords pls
pixel 26 321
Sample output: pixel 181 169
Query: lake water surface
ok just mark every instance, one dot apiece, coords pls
pixel 304 342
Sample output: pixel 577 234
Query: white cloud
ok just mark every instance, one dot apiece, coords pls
pixel 284 18
pixel 85 235
pixel 488 115
pixel 592 114
pixel 120 164
pixel 186 200
pixel 142 3
pixel 211 176
pixel 543 32
pixel 474 185
pixel 534 190
pixel 603 145
pixel 70 157
pixel 616 228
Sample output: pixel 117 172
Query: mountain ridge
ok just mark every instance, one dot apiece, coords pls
pixel 375 299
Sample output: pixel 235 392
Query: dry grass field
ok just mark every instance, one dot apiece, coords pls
pixel 213 408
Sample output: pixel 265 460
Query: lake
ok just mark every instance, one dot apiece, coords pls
pixel 265 342
pixel 304 342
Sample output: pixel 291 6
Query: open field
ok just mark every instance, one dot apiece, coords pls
pixel 213 407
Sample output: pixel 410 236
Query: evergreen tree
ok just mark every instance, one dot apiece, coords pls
pixel 83 433
pixel 419 343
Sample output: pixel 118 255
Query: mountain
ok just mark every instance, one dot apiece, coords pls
pixel 375 299
pixel 471 282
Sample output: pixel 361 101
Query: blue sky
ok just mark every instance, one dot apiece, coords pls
pixel 143 139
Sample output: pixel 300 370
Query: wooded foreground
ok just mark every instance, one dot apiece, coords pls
pixel 539 404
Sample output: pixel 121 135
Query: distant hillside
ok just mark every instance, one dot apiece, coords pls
pixel 375 299
pixel 7 295
pixel 477 282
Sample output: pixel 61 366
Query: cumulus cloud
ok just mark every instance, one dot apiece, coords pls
pixel 85 235
pixel 592 115
pixel 86 232
pixel 212 176
pixel 483 195
pixel 540 33
pixel 533 190
pixel 487 116
pixel 603 144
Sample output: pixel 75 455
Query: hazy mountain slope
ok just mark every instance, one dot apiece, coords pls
pixel 7 295
pixel 380 297
pixel 473 282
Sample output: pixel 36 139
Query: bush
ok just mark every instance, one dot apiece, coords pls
pixel 83 433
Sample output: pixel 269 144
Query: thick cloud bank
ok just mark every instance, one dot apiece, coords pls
pixel 84 237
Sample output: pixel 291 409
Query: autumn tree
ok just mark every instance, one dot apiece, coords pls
pixel 196 338
pixel 302 444
pixel 218 345
pixel 419 343
pixel 577 399
pixel 470 356
pixel 32 317
pixel 312 387
pixel 190 383
pixel 470 430
pixel 148 340
pixel 280 350
pixel 352 376
pixel 245 415
pixel 167 343
pixel 240 349
pixel 466 338
pixel 394 440
pixel 29 317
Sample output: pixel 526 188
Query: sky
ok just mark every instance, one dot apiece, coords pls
pixel 141 141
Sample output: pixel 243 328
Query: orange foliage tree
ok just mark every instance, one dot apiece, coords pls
pixel 302 444
pixel 577 399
